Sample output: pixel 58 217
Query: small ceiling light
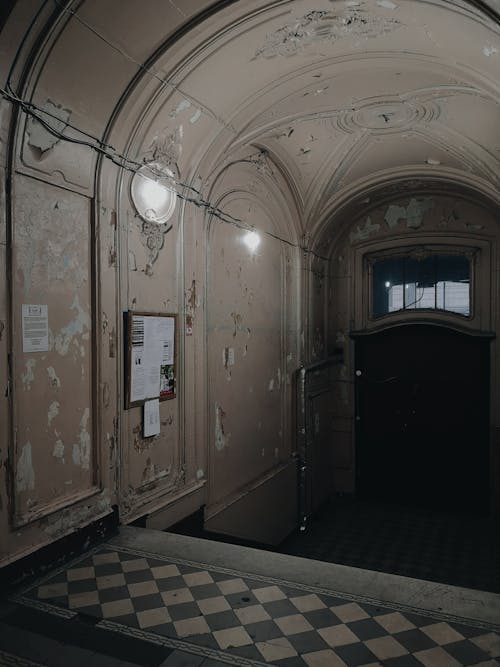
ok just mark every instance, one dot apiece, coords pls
pixel 387 284
pixel 153 192
pixel 251 240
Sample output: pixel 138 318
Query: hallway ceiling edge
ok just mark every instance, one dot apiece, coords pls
pixel 334 91
pixel 383 188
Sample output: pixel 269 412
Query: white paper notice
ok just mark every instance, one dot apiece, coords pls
pixel 153 347
pixel 152 357
pixel 137 361
pixel 168 331
pixel 151 418
pixel 35 328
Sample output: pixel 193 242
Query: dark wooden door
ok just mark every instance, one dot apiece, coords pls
pixel 422 417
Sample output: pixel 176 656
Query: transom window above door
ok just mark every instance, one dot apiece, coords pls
pixel 421 280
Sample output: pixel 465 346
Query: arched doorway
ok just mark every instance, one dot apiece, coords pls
pixel 422 414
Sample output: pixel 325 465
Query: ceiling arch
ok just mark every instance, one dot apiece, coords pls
pixel 334 91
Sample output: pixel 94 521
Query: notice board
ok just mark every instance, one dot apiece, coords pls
pixel 150 357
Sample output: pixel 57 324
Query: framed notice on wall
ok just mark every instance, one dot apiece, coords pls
pixel 150 357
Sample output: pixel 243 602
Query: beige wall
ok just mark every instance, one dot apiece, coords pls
pixel 272 141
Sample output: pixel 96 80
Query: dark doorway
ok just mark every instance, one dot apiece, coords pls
pixel 422 418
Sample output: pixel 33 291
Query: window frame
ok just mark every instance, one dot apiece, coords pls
pixel 421 251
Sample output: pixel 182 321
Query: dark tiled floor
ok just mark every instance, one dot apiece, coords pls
pixel 458 549
pixel 452 548
pixel 119 606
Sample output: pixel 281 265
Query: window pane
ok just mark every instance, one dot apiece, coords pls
pixel 386 275
pixel 434 282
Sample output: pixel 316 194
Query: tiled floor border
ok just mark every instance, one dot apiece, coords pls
pixel 137 633
pixel 9 660
pixel 20 598
pixel 450 618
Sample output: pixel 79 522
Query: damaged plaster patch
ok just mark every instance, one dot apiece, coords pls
pixel 53 412
pixel 29 377
pixel 55 382
pixel 182 106
pixel 65 521
pixel 58 451
pixel 81 449
pixel 77 326
pixel 192 303
pixel 220 436
pixel 320 26
pixel 413 213
pixel 363 233
pixel 195 117
pixel 237 323
pixel 166 147
pixel 39 137
pixel 132 264
pixel 25 474
pixel 489 50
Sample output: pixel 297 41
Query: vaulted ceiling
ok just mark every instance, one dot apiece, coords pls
pixel 335 92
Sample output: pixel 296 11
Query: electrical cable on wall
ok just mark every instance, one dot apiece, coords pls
pixel 108 152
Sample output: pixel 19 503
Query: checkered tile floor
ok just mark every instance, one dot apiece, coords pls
pixel 258 620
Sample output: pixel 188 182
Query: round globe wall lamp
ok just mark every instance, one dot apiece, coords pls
pixel 153 193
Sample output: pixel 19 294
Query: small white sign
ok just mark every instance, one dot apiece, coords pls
pixel 151 418
pixel 35 328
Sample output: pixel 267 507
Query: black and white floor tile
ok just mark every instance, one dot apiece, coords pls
pixel 237 618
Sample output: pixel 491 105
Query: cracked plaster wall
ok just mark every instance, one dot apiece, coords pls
pixel 251 341
pixel 53 463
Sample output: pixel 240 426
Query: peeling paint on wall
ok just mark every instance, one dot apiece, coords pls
pixel 71 517
pixel 489 50
pixel 182 106
pixel 195 117
pixel 363 233
pixel 152 473
pixel 77 326
pixel 53 412
pixel 25 473
pixel 29 377
pixel 220 436
pixel 105 394
pixel 323 26
pixel 190 307
pixel 58 451
pixel 81 449
pixel 413 213
pixel 166 147
pixel 40 138
pixel 143 444
pixel 112 344
pixel 132 264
